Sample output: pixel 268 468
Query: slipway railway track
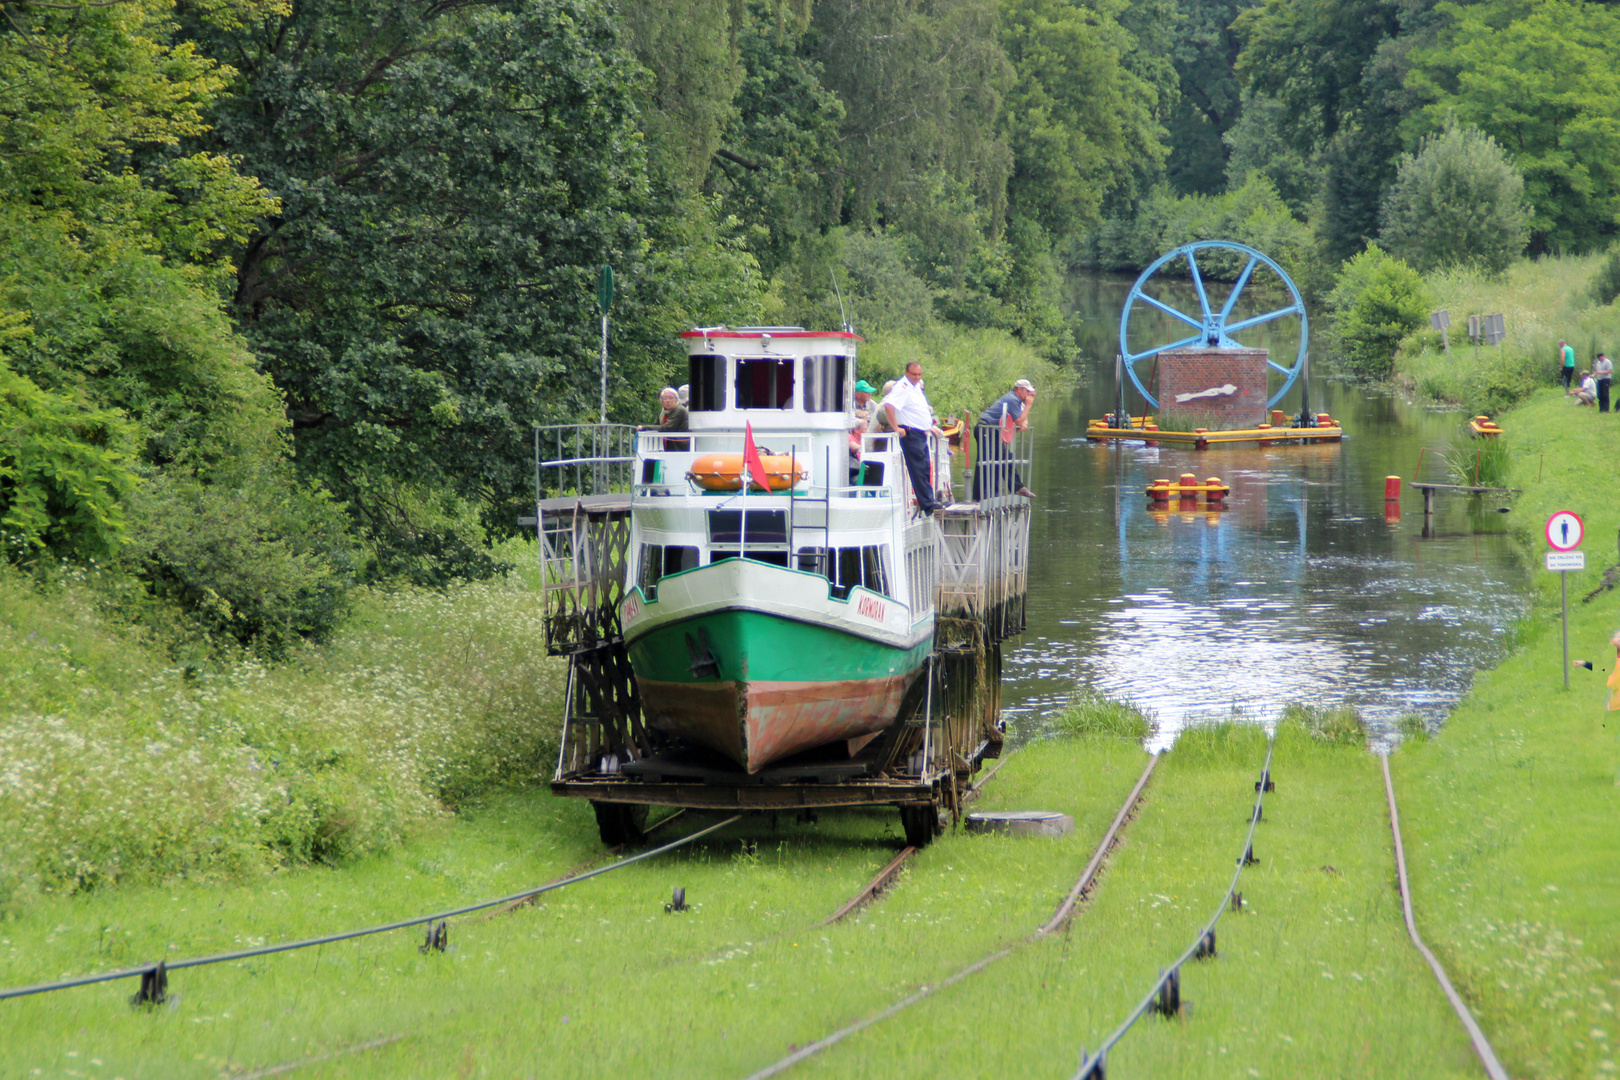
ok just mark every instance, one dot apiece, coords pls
pixel 1060 919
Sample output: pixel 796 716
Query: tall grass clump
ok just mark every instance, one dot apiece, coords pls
pixel 1091 714
pixel 1336 725
pixel 1173 419
pixel 117 764
pixel 1485 466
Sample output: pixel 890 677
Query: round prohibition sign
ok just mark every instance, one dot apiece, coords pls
pixel 1565 531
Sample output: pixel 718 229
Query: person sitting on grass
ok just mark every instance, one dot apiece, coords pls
pixel 1586 393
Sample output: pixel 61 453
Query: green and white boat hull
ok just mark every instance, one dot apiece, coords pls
pixel 759 662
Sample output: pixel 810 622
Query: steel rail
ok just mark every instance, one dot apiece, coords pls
pixel 870 890
pixel 1482 1045
pixel 1058 920
pixel 1092 1064
pixel 263 950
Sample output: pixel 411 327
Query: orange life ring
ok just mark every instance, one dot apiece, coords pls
pixel 724 472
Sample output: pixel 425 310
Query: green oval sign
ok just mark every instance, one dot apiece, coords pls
pixel 604 289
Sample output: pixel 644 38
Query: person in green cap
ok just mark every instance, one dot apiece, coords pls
pixel 863 399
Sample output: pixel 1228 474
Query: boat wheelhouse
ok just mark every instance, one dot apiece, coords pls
pixel 763 621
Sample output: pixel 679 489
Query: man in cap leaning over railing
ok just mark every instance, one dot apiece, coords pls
pixel 995 472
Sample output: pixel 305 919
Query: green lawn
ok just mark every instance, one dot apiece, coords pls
pixel 1512 814
pixel 1314 978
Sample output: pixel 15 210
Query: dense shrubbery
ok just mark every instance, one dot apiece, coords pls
pixel 115 764
pixel 1458 201
pixel 1606 282
pixel 64 473
pixel 1377 302
pixel 1252 214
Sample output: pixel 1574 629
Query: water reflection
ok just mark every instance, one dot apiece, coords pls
pixel 1298 592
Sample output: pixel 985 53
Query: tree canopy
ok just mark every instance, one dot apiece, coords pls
pixel 1457 201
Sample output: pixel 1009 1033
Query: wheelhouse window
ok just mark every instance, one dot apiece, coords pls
pixel 706 383
pixel 826 383
pixel 764 384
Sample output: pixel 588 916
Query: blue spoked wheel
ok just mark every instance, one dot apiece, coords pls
pixel 1212 326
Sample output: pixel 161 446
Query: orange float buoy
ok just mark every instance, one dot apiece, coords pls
pixel 1392 488
pixel 724 472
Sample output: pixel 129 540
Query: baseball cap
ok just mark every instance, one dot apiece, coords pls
pixel 865 387
pixel 1024 384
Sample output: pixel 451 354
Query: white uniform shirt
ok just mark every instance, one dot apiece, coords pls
pixel 910 406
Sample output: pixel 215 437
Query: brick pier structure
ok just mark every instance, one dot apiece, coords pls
pixel 1198 370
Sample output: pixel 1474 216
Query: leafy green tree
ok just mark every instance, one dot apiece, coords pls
pixel 1540 78
pixel 118 239
pixel 64 473
pixel 1458 200
pixel 778 165
pixel 452 178
pixel 1210 101
pixel 1337 71
pixel 97 99
pixel 689 49
pixel 1256 144
pixel 1253 214
pixel 1311 55
pixel 1377 302
pixel 922 86
pixel 1080 122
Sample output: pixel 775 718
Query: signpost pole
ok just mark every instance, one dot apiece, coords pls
pixel 1563 594
pixel 1565 530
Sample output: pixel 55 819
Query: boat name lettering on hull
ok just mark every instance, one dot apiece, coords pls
pixel 632 608
pixel 871 609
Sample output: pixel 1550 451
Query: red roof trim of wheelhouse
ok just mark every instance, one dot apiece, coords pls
pixel 771 333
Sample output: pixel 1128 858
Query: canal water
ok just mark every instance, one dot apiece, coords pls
pixel 1299 592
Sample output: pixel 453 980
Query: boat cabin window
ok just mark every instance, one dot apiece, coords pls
pixel 826 383
pixel 763 527
pixel 706 382
pixel 658 561
pixel 845 568
pixel 774 556
pixel 766 536
pixel 764 384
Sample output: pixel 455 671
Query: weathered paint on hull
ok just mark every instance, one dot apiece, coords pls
pixel 776 686
pixel 756 723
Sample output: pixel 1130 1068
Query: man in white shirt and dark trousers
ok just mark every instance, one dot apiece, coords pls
pixel 909 412
pixel 1602 371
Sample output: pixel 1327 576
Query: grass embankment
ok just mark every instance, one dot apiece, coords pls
pixel 118 765
pixel 1510 812
pixel 1315 978
pixel 1541 301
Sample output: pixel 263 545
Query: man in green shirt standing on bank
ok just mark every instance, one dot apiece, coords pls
pixel 1566 356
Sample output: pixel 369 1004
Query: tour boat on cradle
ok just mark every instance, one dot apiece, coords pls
pixel 766 620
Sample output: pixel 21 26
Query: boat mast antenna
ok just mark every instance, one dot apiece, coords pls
pixel 843 315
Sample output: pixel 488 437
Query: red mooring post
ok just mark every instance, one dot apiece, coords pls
pixel 1392 500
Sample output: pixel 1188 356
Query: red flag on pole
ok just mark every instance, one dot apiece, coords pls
pixel 751 458
pixel 1006 425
